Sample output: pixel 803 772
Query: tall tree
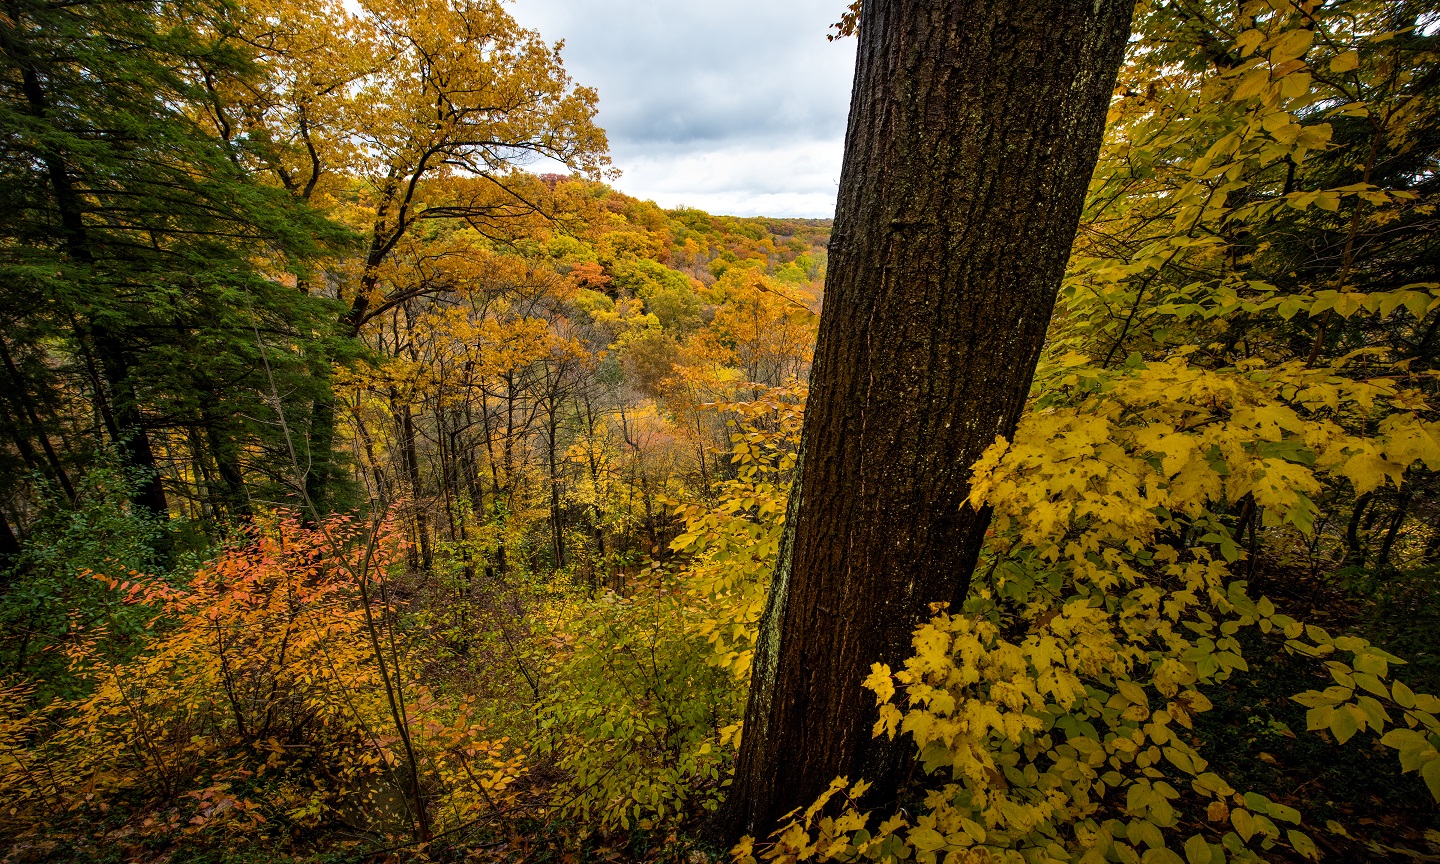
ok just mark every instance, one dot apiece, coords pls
pixel 403 114
pixel 974 128
pixel 139 255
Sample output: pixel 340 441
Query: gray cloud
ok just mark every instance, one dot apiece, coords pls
pixel 735 107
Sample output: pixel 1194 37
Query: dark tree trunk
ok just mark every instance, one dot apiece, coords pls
pixel 224 451
pixel 412 472
pixel 319 443
pixel 1354 553
pixel 134 439
pixel 9 550
pixel 1396 520
pixel 974 128
pixel 557 527
pixel 27 405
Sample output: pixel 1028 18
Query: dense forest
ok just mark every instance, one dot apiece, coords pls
pixel 366 495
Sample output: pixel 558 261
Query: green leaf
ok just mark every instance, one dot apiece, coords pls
pixel 1284 813
pixel 1197 851
pixel 1313 699
pixel 926 839
pixel 1180 759
pixel 1303 844
pixel 1133 692
pixel 1431 773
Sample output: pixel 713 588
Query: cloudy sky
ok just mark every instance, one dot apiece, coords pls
pixel 734 107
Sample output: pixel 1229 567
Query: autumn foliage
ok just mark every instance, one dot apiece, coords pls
pixel 422 506
pixel 259 708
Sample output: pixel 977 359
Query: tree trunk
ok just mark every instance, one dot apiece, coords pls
pixel 223 451
pixel 134 442
pixel 974 128
pixel 557 528
pixel 9 551
pixel 1354 553
pixel 412 472
pixel 319 444
pixel 1382 564
pixel 26 405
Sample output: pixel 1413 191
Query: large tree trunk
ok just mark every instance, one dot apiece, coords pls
pixel 974 128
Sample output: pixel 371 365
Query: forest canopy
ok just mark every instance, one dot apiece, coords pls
pixel 366 495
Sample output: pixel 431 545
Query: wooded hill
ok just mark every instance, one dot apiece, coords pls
pixel 367 497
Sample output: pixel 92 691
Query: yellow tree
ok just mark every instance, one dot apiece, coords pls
pixel 463 91
pixel 399 114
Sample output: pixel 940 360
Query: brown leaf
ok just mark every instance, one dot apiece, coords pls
pixel 1218 811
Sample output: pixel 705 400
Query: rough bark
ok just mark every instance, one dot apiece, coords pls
pixel 974 128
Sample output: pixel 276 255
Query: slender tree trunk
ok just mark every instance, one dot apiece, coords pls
pixel 557 528
pixel 974 128
pixel 224 451
pixel 206 499
pixel 134 439
pixel 377 475
pixel 27 405
pixel 596 515
pixel 9 551
pixel 1396 520
pixel 412 471
pixel 102 403
pixel 1354 553
pixel 320 442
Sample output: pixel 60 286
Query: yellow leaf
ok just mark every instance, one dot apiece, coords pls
pixel 1368 471
pixel 1243 822
pixel 1248 41
pixel 1251 85
pixel 1343 723
pixel 1291 45
pixel 1133 692
pixel 880 682
pixel 926 839
pixel 1295 86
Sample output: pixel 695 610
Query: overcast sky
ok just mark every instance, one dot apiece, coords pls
pixel 733 107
